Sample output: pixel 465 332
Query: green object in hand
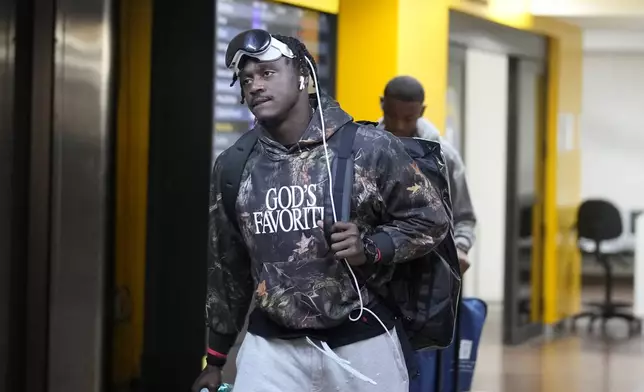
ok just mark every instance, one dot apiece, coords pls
pixel 222 388
pixel 225 388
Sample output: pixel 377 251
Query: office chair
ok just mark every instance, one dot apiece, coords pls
pixel 598 221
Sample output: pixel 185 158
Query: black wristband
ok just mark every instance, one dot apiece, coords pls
pixel 371 251
pixel 385 246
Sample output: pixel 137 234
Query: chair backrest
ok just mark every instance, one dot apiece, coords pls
pixel 599 220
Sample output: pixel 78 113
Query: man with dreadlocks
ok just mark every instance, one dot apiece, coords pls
pixel 281 236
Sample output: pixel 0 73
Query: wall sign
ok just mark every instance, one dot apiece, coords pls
pixel 566 132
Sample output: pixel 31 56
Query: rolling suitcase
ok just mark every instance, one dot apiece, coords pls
pixel 452 369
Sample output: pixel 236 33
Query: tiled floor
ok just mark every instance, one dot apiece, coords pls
pixel 579 362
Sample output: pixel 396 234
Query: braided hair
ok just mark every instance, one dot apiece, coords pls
pixel 299 50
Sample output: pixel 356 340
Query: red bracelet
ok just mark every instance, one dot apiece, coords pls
pixel 216 354
pixel 378 256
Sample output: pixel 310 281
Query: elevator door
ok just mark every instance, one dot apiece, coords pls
pixel 525 185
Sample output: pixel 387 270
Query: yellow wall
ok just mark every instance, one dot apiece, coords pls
pixel 131 185
pixel 566 181
pixel 394 37
pixel 329 6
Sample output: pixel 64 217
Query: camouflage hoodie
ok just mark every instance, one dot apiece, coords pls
pixel 283 257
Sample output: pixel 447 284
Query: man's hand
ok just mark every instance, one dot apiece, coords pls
pixel 463 260
pixel 346 243
pixel 210 378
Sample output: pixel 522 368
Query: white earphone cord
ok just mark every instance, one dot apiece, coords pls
pixel 335 219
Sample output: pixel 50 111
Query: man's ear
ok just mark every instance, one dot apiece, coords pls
pixel 382 103
pixel 422 111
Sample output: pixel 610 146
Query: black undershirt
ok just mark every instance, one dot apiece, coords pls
pixel 344 334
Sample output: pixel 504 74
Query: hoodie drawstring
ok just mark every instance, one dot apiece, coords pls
pixel 346 365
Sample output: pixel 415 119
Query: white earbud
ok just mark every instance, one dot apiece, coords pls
pixel 301 83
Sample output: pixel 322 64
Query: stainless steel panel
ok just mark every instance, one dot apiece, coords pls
pixel 7 58
pixel 40 120
pixel 81 157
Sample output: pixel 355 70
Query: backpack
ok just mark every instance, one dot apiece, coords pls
pixel 423 292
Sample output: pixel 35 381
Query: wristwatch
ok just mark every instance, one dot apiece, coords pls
pixel 371 251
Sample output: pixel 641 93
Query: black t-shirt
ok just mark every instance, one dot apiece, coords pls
pixel 344 334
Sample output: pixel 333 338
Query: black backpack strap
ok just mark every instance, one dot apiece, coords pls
pixel 343 181
pixel 364 122
pixel 233 168
pixel 342 178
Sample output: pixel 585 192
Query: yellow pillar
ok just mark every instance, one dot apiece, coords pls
pixel 131 187
pixel 564 294
pixel 381 39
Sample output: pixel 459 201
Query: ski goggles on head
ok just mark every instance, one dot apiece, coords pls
pixel 258 44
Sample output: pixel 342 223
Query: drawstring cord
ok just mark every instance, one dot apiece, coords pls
pixel 346 365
